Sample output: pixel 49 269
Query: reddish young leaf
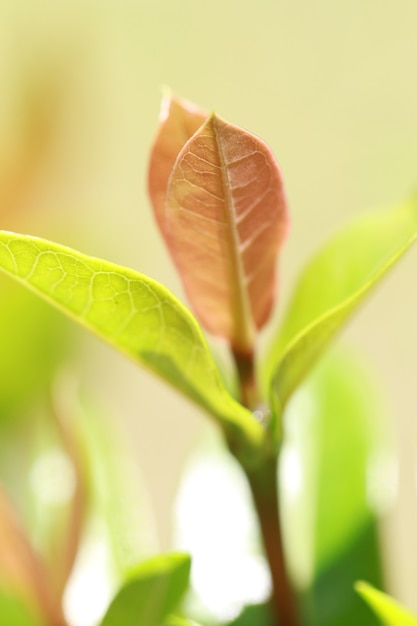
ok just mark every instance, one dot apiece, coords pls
pixel 179 120
pixel 226 217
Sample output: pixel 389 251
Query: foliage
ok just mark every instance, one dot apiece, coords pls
pixel 150 593
pixel 389 611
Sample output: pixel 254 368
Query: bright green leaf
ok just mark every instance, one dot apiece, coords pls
pixel 14 613
pixel 390 612
pixel 135 314
pixel 331 437
pixel 331 288
pixel 152 593
pixel 179 621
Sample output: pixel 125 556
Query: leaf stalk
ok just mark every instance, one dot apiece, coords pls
pixel 249 392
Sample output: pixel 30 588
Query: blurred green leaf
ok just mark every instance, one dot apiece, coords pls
pixel 116 490
pixel 255 615
pixel 153 591
pixel 331 439
pixel 135 314
pixel 31 347
pixel 331 288
pixel 390 612
pixel 14 613
pixel 331 600
pixel 179 621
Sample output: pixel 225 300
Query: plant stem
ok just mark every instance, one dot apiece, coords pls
pixel 264 488
pixel 245 365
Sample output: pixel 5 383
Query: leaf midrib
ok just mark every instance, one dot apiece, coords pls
pixel 244 326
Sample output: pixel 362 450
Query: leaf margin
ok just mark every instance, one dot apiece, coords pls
pixel 246 315
pixel 175 565
pixel 275 372
pixel 231 416
pixel 378 600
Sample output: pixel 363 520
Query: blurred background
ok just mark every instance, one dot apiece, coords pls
pixel 329 85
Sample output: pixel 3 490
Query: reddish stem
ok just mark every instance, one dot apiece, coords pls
pixel 264 487
pixel 245 365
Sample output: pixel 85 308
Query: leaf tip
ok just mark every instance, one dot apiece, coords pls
pixel 167 97
pixel 360 587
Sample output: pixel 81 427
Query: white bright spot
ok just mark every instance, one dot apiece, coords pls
pixel 291 472
pixel 216 524
pixel 164 112
pixel 382 481
pixel 298 482
pixel 90 589
pixel 52 478
pixel 298 517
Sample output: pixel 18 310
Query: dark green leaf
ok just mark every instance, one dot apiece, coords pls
pixel 331 600
pixel 331 288
pixel 331 437
pixel 152 593
pixel 256 615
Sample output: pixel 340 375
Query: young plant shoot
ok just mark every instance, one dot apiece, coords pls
pixel 219 201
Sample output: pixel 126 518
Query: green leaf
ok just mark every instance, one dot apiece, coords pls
pixel 331 288
pixel 134 313
pixel 179 621
pixel 254 615
pixel 14 613
pixel 330 530
pixel 152 593
pixel 331 600
pixel 31 347
pixel 390 612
